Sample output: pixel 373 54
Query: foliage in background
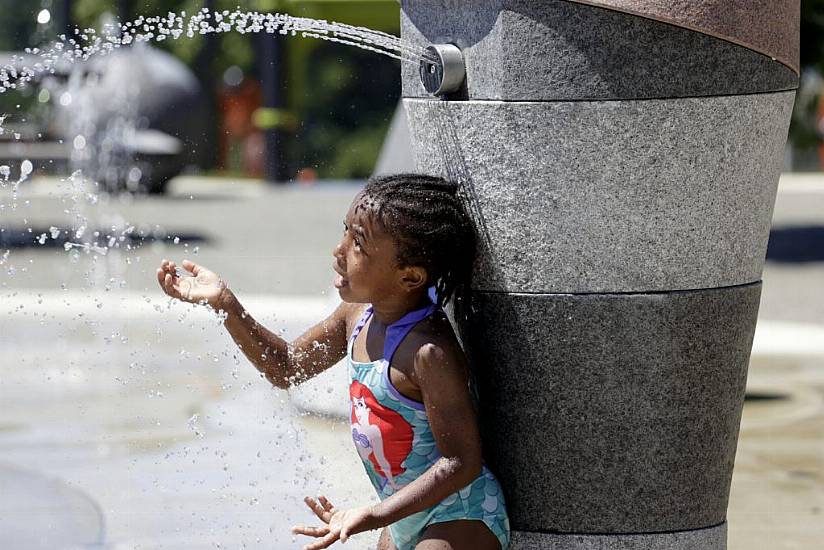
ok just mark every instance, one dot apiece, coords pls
pixel 235 49
pixel 18 24
pixel 349 97
pixel 345 118
pixel 812 34
pixel 805 130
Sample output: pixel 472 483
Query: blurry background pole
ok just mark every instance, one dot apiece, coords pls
pixel 66 16
pixel 124 10
pixel 203 67
pixel 272 71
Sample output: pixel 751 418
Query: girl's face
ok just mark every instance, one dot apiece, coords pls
pixel 365 259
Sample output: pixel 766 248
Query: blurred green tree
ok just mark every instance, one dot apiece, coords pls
pixel 812 34
pixel 346 96
pixel 805 130
pixel 344 111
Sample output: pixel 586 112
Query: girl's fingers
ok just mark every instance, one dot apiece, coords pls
pixel 310 531
pixel 326 504
pixel 325 542
pixel 191 266
pixel 317 509
pixel 164 265
pixel 168 286
pixel 161 280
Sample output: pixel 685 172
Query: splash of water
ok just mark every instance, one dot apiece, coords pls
pixel 26 168
pixel 88 42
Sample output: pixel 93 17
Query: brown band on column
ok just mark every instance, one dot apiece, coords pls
pixel 770 27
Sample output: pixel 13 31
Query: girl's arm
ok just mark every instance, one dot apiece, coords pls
pixel 282 363
pixel 442 376
pixel 285 364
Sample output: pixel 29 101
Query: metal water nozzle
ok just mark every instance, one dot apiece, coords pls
pixel 444 72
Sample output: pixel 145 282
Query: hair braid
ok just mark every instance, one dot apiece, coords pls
pixel 428 220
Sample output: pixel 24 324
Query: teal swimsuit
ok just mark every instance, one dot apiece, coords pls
pixel 392 435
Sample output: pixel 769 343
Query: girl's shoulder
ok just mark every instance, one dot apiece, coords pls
pixel 434 331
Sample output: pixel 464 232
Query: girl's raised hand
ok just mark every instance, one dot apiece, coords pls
pixel 339 524
pixel 200 286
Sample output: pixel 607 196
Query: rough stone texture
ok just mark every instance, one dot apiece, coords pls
pixel 626 196
pixel 558 50
pixel 612 413
pixel 713 538
pixel 768 26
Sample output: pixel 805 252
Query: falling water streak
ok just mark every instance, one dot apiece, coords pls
pixel 454 166
pixel 87 42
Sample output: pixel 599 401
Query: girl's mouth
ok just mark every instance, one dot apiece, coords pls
pixel 340 280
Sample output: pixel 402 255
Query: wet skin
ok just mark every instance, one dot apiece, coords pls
pixel 428 366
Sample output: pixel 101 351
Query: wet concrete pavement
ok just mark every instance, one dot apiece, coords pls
pixel 145 423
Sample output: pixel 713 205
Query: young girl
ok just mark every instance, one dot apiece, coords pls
pixel 413 421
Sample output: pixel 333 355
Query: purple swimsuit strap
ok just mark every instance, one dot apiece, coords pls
pixel 360 324
pixel 397 331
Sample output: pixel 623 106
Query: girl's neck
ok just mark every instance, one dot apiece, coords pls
pixel 389 312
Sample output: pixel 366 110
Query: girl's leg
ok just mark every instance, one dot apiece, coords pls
pixel 462 534
pixel 385 541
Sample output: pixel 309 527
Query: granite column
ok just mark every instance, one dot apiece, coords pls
pixel 620 159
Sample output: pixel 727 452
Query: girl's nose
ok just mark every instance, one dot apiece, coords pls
pixel 337 252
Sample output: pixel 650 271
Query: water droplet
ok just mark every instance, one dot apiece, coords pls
pixel 43 17
pixel 26 168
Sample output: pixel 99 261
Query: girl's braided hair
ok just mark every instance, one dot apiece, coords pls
pixel 426 217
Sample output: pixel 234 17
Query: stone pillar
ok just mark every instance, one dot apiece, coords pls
pixel 621 159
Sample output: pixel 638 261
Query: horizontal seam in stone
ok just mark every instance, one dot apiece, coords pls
pixel 599 100
pixel 627 534
pixel 626 293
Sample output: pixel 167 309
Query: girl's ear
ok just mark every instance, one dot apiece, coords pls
pixel 413 277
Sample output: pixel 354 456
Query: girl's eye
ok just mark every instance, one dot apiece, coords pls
pixel 357 243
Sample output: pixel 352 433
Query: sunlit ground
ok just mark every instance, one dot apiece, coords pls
pixel 132 422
